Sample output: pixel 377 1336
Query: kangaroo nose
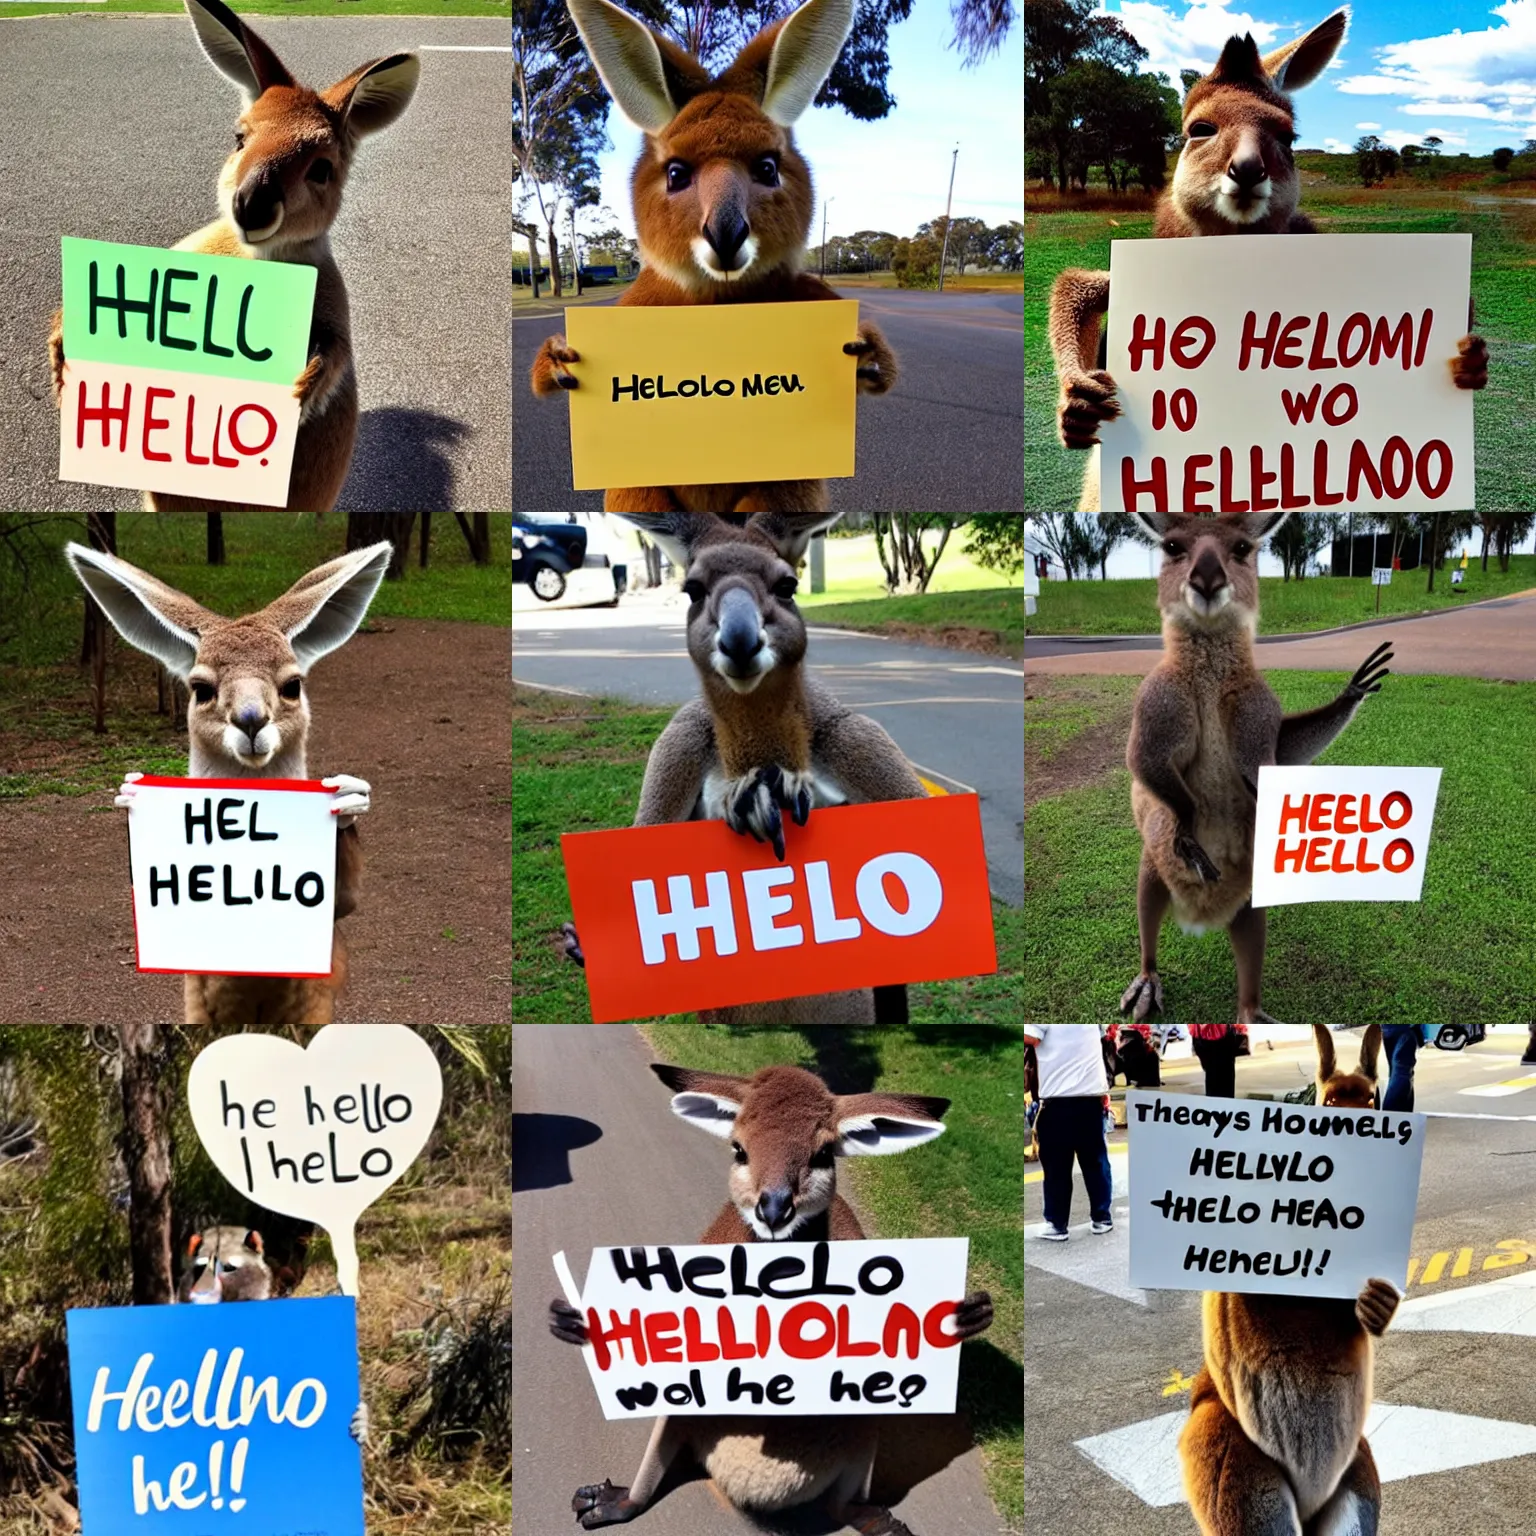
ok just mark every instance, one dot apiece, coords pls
pixel 774 1208
pixel 251 719
pixel 1206 576
pixel 257 202
pixel 727 233
pixel 1248 171
pixel 740 635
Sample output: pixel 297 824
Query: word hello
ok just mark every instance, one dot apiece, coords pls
pixel 685 920
pixel 247 432
pixel 655 388
pixel 157 317
pixel 1329 854
pixel 876 1277
pixel 877 1387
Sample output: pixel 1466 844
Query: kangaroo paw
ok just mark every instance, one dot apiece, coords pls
pixel 1376 1305
pixel 1144 996
pixel 573 945
pixel 873 1520
pixel 1086 400
pixel 566 1323
pixel 603 1504
pixel 973 1315
pixel 1469 368
pixel 549 374
pixel 1199 861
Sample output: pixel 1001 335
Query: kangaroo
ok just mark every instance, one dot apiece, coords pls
pixel 722 200
pixel 280 192
pixel 1235 176
pixel 765 737
pixel 226 1264
pixel 248 718
pixel 786 1129
pixel 1203 724
pixel 1275 1443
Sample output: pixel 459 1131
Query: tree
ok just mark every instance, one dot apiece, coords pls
pixel 1069 537
pixel 909 565
pixel 1101 535
pixel 1008 246
pixel 980 27
pixel 1501 158
pixel 1409 155
pixel 365 528
pixel 916 262
pixel 1370 159
pixel 996 540
pixel 146 1084
pixel 215 538
pixel 1298 539
pixel 1432 145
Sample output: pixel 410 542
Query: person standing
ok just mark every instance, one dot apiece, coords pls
pixel 1218 1046
pixel 1401 1042
pixel 1069 1059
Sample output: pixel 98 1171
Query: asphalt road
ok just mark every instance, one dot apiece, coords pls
pixel 948 438
pixel 598 1158
pixel 1496 639
pixel 1109 1361
pixel 115 127
pixel 958 714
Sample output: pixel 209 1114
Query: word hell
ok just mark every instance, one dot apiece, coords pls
pixel 684 920
pixel 655 1336
pixel 1329 854
pixel 308 889
pixel 178 436
pixel 1278 1167
pixel 1282 344
pixel 157 317
pixel 702 387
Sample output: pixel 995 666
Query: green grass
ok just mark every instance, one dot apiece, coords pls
pixel 1465 952
pixel 576 767
pixel 1502 239
pixel 274 8
pixel 967 1182
pixel 854 572
pixel 1129 606
pixel 990 617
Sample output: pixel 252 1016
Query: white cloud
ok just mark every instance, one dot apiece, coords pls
pixel 1457 109
pixel 1338 147
pixel 1193 40
pixel 1397 138
pixel 1369 127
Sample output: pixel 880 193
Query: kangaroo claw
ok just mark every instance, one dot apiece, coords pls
pixel 973 1315
pixel 1144 995
pixel 573 949
pixel 1196 858
pixel 566 1323
pixel 603 1504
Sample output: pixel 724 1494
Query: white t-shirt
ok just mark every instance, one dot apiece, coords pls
pixel 1071 1060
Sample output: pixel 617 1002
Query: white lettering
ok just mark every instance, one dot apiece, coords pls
pixel 684 920
pixel 925 893
pixel 763 907
pixel 827 926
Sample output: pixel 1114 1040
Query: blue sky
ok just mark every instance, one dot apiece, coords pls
pixel 892 174
pixel 1463 69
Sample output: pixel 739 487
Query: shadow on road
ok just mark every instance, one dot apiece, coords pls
pixel 541 1148
pixel 399 464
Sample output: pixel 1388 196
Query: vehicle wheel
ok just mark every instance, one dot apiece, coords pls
pixel 548 584
pixel 1452 1037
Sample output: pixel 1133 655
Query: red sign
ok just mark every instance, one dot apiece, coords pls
pixel 692 915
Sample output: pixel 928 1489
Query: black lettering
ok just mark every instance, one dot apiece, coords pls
pixel 240 341
pixel 632 389
pixel 736 1388
pixel 198 888
pixel 842 1391
pixel 230 899
pixel 781 1390
pixel 256 836
pixel 159 882
pixel 169 306
pixel 639 1269
pixel 226 1104
pixel 210 346
pixel 205 821
pixel 314 1112
pixel 278 893
pixel 315 885
pixel 123 304
pixel 694 1272
pixel 227 828
pixel 752 387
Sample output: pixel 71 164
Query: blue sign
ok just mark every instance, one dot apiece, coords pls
pixel 201 1421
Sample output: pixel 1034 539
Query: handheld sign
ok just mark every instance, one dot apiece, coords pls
pixel 773 1328
pixel 693 915
pixel 233 877
pixel 1281 1199
pixel 234 1418
pixel 1304 372
pixel 1342 834
pixel 179 370
pixel 319 1133
pixel 712 394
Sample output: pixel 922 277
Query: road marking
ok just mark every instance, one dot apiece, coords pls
pixel 1502 1306
pixel 1116 1149
pixel 1509 1252
pixel 1500 1090
pixel 1406 1442
pixel 1178 1382
pixel 575 693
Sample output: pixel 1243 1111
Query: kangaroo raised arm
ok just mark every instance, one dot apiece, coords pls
pixel 786 1129
pixel 1235 175
pixel 1204 723
pixel 279 193
pixel 765 738
pixel 1275 1443
pixel 248 718
pixel 722 200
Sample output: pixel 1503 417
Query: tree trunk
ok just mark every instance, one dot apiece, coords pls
pixel 426 537
pixel 533 261
pixel 215 538
pixel 365 528
pixel 1485 548
pixel 480 554
pixel 556 283
pixel 1434 553
pixel 483 537
pixel 147 1081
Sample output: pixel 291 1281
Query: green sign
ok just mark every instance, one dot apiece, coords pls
pixel 143 307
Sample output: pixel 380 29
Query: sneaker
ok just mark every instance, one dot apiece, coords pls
pixel 1107 1225
pixel 1055 1234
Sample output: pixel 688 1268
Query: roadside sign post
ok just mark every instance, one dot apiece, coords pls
pixel 1381 576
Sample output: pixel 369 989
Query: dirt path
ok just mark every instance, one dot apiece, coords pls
pixel 417 707
pixel 597 1157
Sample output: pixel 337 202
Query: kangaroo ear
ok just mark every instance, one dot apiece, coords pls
pixel 1156 524
pixel 709 1100
pixel 628 60
pixel 1301 62
pixel 149 615
pixel 806 48
pixel 372 97
pixel 877 1124
pixel 676 534
pixel 323 609
pixel 234 50
pixel 1370 1051
pixel 791 532
pixel 1326 1059
pixel 1260 525
pixel 1239 63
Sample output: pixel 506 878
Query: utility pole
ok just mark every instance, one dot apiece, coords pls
pixel 825 203
pixel 575 258
pixel 948 203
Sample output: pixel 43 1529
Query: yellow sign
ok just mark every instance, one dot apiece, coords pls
pixel 712 394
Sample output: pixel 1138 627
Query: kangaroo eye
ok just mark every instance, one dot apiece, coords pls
pixel 765 170
pixel 740 1151
pixel 292 688
pixel 319 172
pixel 1172 549
pixel 1202 130
pixel 823 1158
pixel 785 587
pixel 679 176
pixel 239 138
pixel 1242 549
pixel 202 692
pixel 693 591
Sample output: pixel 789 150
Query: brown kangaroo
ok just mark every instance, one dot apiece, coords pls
pixel 1204 723
pixel 280 192
pixel 248 718
pixel 1235 176
pixel 722 201
pixel 786 1129
pixel 1275 1443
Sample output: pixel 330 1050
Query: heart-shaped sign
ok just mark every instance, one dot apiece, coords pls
pixel 319 1133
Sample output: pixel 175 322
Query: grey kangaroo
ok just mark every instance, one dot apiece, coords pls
pixel 1205 722
pixel 765 737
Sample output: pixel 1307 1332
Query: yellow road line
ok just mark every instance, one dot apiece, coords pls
pixel 1117 1149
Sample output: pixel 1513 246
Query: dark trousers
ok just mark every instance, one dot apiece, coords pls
pixel 1067 1129
pixel 1402 1046
pixel 1219 1058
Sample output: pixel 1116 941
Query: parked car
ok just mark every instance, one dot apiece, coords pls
pixel 550 549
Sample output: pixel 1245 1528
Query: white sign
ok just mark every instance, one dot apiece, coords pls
pixel 1381 575
pixel 1342 834
pixel 320 1133
pixel 233 877
pixel 773 1328
pixel 1284 1199
pixel 1309 371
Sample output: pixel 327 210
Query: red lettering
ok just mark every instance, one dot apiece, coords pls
pixel 192 458
pixel 1361 324
pixel 599 1337
pixel 1366 824
pixel 1317 856
pixel 1258 478
pixel 1289 860
pixel 1398 855
pixel 661 1338
pixel 106 414
pixel 1346 807
pixel 1193 485
pixel 695 1347
pixel 1361 865
pixel 1288 353
pixel 1227 502
pixel 214 446
pixel 1318 359
pixel 931 1329
pixel 1336 867
pixel 1186 352
pixel 1300 407
pixel 1141 342
pixel 1360 464
pixel 1332 413
pixel 1433 489
pixel 792 1339
pixel 1398 804
pixel 1425 322
pixel 1251 340
pixel 1156 486
pixel 847 1345
pixel 1322 810
pixel 1384 343
pixel 153 423
pixel 901 1322
pixel 1289 495
pixel 234 429
pixel 1298 813
pixel 729 1348
pixel 1397 449
pixel 1324 497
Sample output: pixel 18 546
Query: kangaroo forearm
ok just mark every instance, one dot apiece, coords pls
pixel 349 870
pixel 865 761
pixel 1303 737
pixel 1167 783
pixel 1078 298
pixel 674 772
